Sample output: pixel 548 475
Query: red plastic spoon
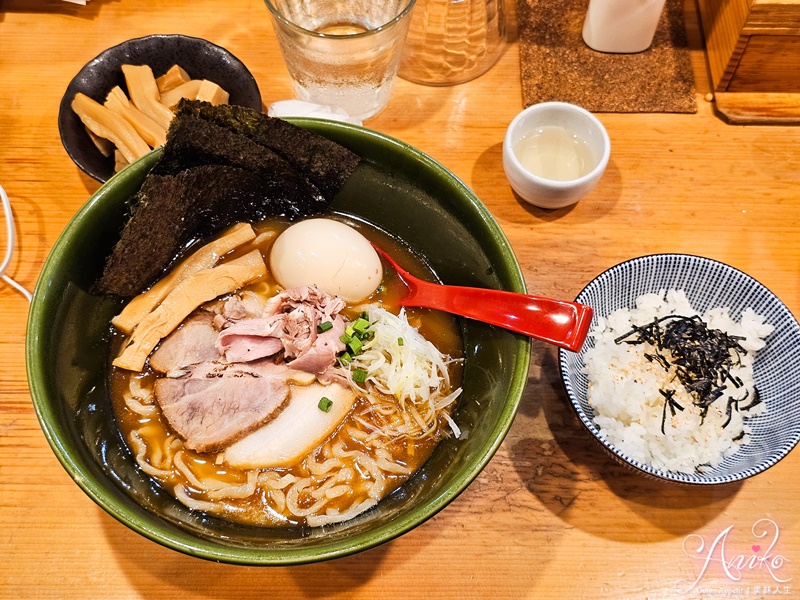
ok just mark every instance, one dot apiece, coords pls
pixel 564 324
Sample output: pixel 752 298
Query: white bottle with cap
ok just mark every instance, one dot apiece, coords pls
pixel 621 26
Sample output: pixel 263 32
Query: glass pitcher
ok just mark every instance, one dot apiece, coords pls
pixel 453 41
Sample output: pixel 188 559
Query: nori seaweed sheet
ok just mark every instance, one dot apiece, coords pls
pixel 194 142
pixel 323 162
pixel 215 171
pixel 170 211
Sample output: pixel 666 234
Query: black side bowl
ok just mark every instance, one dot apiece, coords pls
pixel 199 58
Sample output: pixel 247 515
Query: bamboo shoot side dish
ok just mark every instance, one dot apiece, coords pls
pixel 130 126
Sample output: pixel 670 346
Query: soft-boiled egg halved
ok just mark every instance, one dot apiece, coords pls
pixel 328 254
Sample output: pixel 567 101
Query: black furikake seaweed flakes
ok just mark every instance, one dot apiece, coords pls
pixel 702 358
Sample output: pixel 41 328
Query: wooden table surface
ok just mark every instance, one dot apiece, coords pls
pixel 550 516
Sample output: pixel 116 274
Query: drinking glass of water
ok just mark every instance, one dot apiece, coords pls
pixel 342 53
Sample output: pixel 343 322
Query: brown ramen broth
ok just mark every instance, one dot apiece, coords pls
pixel 348 473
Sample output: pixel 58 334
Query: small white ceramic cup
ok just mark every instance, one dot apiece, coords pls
pixel 552 193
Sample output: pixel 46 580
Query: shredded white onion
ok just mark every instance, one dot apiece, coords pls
pixel 400 362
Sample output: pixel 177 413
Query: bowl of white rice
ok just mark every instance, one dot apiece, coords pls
pixel 691 371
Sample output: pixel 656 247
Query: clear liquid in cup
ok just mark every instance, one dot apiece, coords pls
pixel 555 153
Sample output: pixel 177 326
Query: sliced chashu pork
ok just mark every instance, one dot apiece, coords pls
pixel 289 327
pixel 210 405
pixel 193 342
pixel 296 431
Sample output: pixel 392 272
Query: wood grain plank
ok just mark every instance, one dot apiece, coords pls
pixel 764 108
pixel 775 17
pixel 722 26
pixel 768 64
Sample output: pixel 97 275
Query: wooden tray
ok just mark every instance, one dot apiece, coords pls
pixel 753 49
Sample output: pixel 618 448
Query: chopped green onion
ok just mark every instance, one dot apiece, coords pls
pixel 323 327
pixel 349 331
pixel 400 341
pixel 345 339
pixel 360 325
pixel 355 346
pixel 325 404
pixel 345 358
pixel 359 375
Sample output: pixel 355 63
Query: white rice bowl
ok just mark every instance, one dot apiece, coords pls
pixel 708 284
pixel 624 389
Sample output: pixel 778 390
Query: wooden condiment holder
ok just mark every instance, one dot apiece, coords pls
pixel 753 49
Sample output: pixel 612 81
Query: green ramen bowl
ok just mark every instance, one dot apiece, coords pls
pixel 396 188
